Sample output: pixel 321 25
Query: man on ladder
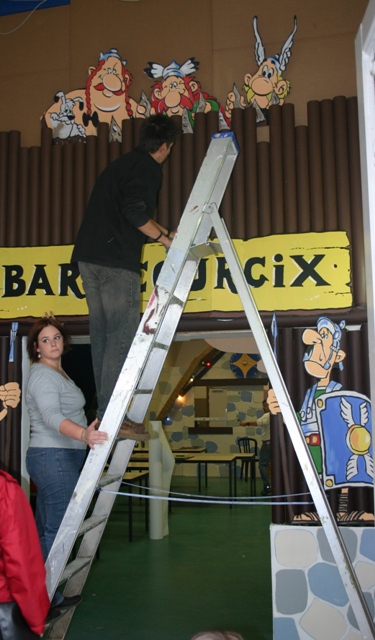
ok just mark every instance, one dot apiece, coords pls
pixel 108 250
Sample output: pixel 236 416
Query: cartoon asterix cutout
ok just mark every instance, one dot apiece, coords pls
pixel 176 92
pixel 104 99
pixel 336 424
pixel 267 86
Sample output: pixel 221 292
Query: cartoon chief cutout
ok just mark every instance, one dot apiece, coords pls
pixel 104 99
pixel 177 92
pixel 336 424
pixel 267 86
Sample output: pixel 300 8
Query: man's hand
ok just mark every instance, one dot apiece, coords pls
pixel 10 394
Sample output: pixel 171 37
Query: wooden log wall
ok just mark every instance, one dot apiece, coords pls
pixel 305 178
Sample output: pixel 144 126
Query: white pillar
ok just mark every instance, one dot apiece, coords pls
pixel 161 469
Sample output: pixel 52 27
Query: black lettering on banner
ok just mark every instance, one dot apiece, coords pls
pixel 278 271
pixel 40 281
pixel 68 280
pixel 256 283
pixel 144 267
pixel 223 273
pixel 14 285
pixel 308 271
pixel 199 281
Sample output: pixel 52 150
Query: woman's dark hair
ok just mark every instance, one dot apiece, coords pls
pixel 156 130
pixel 35 330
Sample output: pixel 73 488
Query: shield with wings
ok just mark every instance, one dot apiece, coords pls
pixel 344 420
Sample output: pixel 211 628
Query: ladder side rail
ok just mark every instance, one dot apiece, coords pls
pixel 78 506
pixel 332 532
pixel 166 330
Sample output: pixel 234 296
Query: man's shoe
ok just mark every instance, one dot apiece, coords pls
pixel 133 431
pixel 52 615
pixel 266 491
pixel 69 601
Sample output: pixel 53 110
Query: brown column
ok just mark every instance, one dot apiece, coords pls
pixel 358 250
pixel 163 202
pixel 276 171
pixel 4 137
pixel 328 166
pixel 175 183
pixel 200 144
pixel 34 196
pixel 127 136
pixel 57 193
pixel 12 187
pixel 315 166
pixel 238 177
pixel 342 181
pixel 23 204
pixel 302 177
pixel 45 185
pixel 212 125
pixel 90 154
pixel 103 151
pixel 67 195
pixel 264 189
pixel 115 150
pixel 79 186
pixel 289 169
pixel 250 173
pixel 187 166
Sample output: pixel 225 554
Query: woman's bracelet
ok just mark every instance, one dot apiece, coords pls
pixel 83 434
pixel 159 236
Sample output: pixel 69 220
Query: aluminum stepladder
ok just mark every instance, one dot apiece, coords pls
pixel 137 380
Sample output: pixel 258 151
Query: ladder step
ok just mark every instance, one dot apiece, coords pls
pixel 108 478
pixel 91 523
pixel 206 249
pixel 74 567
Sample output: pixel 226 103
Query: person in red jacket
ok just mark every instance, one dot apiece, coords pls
pixel 22 572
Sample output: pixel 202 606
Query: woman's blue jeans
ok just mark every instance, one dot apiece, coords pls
pixel 113 300
pixel 55 473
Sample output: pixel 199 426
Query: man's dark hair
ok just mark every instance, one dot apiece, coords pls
pixel 156 130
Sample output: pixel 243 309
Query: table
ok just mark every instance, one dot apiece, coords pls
pixel 133 476
pixel 138 465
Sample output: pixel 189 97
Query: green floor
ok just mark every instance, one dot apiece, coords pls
pixel 212 571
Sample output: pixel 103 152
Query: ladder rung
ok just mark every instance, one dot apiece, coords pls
pixel 74 567
pixel 91 523
pixel 206 249
pixel 107 479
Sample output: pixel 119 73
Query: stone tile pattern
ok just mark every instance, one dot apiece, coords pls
pixel 308 597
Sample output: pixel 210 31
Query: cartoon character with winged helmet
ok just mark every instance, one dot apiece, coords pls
pixel 267 86
pixel 336 423
pixel 177 92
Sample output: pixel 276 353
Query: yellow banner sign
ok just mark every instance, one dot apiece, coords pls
pixel 284 272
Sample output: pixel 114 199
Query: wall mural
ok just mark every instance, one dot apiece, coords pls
pixel 266 86
pixel 176 91
pixel 105 98
pixel 336 424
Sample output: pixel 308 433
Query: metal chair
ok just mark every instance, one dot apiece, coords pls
pixel 249 445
